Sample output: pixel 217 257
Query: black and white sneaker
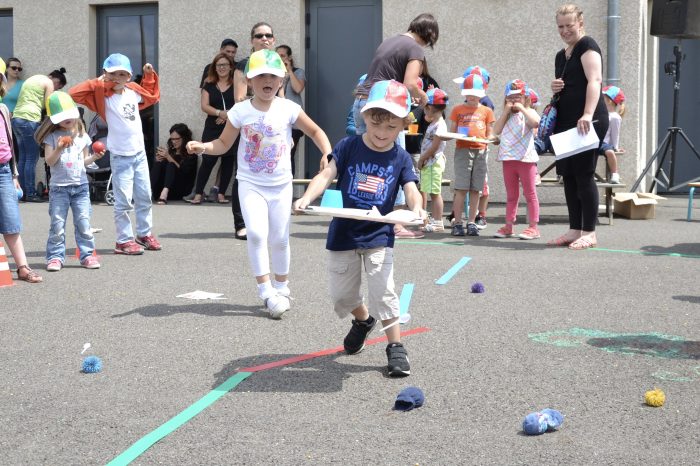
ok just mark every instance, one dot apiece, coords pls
pixel 472 229
pixel 355 339
pixel 480 222
pixel 397 357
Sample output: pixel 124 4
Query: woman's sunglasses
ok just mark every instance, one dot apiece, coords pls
pixel 265 35
pixel 16 68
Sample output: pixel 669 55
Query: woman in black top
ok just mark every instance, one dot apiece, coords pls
pixel 577 83
pixel 217 99
pixel 174 170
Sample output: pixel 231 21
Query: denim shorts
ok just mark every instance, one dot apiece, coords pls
pixel 10 223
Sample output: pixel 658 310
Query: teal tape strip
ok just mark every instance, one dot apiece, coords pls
pixel 405 298
pixel 200 405
pixel 432 243
pixel 648 253
pixel 453 271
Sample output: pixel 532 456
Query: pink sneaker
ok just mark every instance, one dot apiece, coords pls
pixel 409 234
pixel 54 265
pixel 129 248
pixel 149 242
pixel 504 232
pixel 90 262
pixel 529 233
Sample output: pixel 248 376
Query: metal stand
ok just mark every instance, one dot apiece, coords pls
pixel 669 143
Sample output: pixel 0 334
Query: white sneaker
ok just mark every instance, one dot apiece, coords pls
pixel 615 178
pixel 277 305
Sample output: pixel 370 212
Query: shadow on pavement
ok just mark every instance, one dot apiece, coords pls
pixel 204 309
pixel 200 235
pixel 649 345
pixel 681 248
pixel 318 375
pixel 690 299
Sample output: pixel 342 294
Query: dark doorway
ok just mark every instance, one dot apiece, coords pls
pixel 133 31
pixel 687 166
pixel 342 36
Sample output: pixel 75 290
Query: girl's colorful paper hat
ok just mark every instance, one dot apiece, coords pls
pixel 534 96
pixel 117 62
pixel 437 96
pixel 60 107
pixel 475 69
pixel 391 96
pixel 516 87
pixel 474 85
pixel 615 94
pixel 265 62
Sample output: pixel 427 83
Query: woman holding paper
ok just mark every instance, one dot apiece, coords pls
pixel 578 72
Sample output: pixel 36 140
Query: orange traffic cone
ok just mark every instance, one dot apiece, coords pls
pixel 5 274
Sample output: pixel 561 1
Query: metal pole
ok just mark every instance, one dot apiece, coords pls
pixel 613 71
pixel 674 120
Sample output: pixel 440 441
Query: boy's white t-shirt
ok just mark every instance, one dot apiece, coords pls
pixel 266 141
pixel 438 126
pixel 125 136
pixel 69 169
pixel 612 137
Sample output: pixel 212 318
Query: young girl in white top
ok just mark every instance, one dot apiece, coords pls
pixel 615 102
pixel 264 171
pixel 432 157
pixel 516 127
pixel 66 145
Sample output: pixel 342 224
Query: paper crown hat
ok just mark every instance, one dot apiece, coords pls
pixel 615 94
pixel 60 107
pixel 474 85
pixel 265 62
pixel 391 96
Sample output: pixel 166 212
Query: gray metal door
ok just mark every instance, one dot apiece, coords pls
pixel 686 166
pixel 342 36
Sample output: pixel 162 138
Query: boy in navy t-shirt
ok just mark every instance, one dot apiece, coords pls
pixel 370 169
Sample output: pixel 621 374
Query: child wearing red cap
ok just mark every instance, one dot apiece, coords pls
pixel 516 127
pixel 615 102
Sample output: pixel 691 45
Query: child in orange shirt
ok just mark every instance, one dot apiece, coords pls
pixel 471 158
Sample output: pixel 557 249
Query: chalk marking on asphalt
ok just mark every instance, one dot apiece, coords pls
pixel 453 271
pixel 150 439
pixel 648 253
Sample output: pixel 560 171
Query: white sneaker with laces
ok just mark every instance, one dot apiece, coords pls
pixel 277 305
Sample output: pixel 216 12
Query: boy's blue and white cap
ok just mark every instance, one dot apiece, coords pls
pixel 475 69
pixel 391 96
pixel 117 62
pixel 474 85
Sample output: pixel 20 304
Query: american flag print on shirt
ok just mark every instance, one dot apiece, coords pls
pixel 369 183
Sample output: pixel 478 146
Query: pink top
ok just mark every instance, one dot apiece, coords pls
pixel 5 149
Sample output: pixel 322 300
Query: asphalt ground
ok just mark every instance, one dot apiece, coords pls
pixel 583 332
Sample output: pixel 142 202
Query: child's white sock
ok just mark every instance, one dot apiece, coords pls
pixel 282 288
pixel 265 290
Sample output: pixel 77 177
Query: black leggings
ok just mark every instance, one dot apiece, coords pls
pixel 208 162
pixel 582 201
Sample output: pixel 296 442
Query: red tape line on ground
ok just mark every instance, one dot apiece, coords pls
pixel 325 352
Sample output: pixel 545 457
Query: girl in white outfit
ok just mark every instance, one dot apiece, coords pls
pixel 265 172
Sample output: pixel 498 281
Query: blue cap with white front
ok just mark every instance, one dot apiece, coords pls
pixel 117 62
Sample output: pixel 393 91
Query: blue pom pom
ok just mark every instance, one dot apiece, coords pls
pixel 478 287
pixel 92 364
pixel 534 424
pixel 554 418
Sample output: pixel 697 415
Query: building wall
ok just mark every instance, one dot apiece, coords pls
pixel 511 39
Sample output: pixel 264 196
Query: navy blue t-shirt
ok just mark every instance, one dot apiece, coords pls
pixel 367 178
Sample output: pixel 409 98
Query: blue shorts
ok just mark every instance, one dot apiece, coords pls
pixel 604 146
pixel 10 223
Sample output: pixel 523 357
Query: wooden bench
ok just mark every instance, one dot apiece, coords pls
pixel 691 193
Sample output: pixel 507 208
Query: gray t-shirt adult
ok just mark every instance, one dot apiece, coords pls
pixel 391 59
pixel 289 92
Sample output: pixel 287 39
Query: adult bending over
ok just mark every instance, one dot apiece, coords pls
pixel 577 83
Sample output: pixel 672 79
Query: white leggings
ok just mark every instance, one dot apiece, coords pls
pixel 266 211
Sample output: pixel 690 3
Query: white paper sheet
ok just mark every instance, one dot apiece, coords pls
pixel 400 217
pixel 570 142
pixel 199 294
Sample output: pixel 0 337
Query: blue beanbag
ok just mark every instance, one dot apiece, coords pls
pixel 409 398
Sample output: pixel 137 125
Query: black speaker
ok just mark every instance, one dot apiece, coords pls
pixel 676 19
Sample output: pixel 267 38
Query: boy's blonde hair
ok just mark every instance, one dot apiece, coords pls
pixel 619 108
pixel 47 127
pixel 379 115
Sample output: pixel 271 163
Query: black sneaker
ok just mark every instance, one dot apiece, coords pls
pixel 398 360
pixel 457 229
pixel 355 339
pixel 472 229
pixel 480 222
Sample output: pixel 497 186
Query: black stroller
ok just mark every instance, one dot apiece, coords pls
pixel 100 173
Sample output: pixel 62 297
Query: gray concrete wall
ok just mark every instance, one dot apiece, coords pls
pixel 512 39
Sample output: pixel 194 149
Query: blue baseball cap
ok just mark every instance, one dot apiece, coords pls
pixel 391 96
pixel 117 62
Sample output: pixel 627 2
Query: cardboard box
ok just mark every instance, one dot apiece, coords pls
pixel 636 206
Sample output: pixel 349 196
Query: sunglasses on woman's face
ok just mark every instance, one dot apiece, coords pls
pixel 16 68
pixel 268 35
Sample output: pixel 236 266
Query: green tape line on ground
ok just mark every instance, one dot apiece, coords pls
pixel 147 441
pixel 432 243
pixel 647 253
